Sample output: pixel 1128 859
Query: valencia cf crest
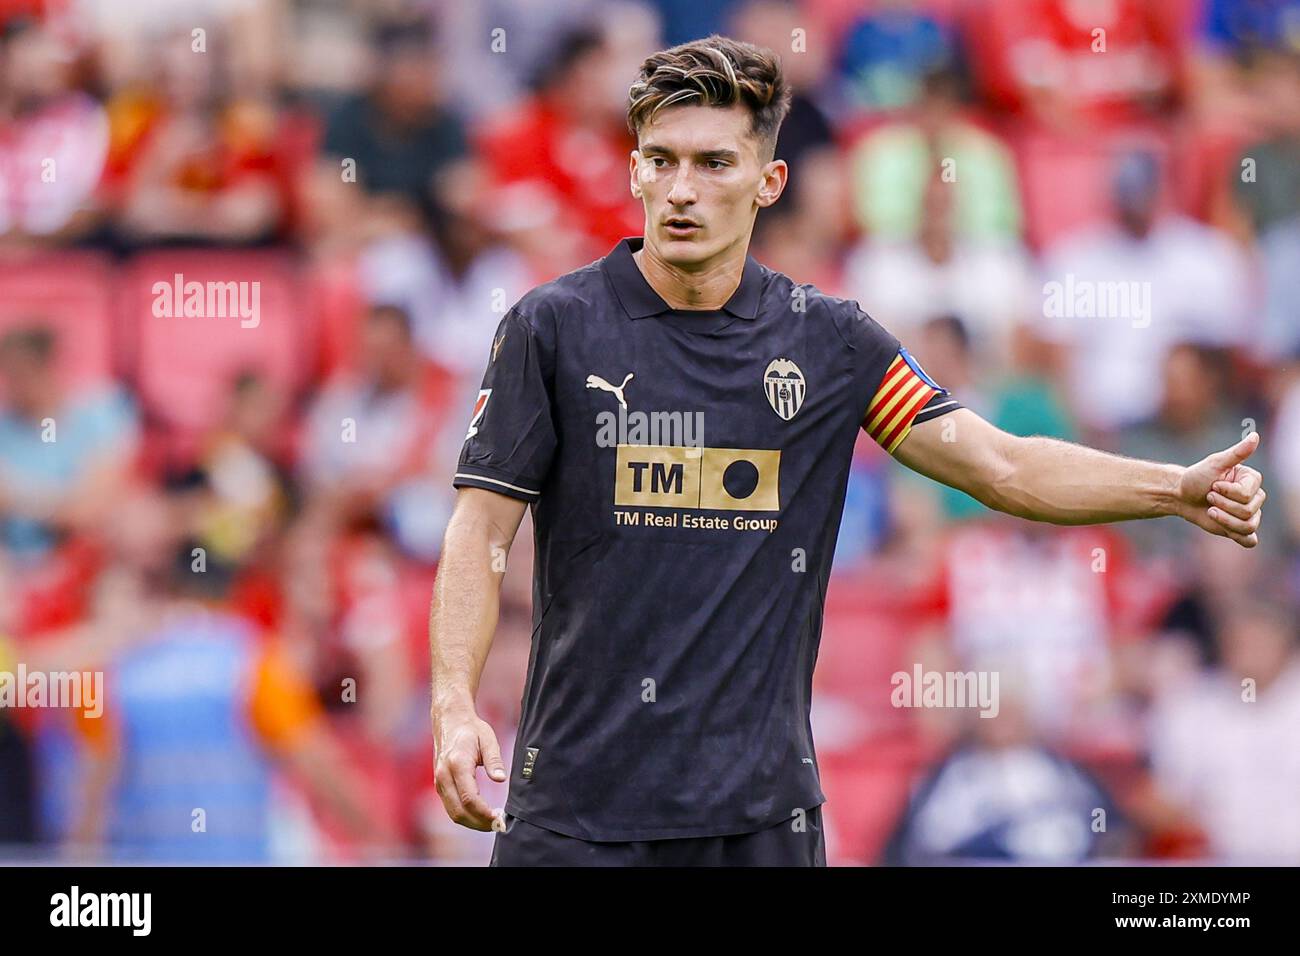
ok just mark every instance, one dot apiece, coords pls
pixel 785 387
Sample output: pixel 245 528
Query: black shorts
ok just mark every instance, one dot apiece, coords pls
pixel 788 843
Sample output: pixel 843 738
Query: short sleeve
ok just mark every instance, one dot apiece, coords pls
pixel 512 437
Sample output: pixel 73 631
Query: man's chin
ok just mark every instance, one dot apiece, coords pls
pixel 683 251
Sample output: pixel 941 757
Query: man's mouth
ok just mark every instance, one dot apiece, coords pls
pixel 681 226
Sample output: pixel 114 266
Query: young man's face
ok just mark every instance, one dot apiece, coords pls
pixel 702 176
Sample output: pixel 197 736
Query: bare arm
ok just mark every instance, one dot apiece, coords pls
pixel 316 759
pixel 1043 479
pixel 462 622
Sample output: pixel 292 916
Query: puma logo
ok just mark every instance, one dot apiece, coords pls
pixel 496 346
pixel 595 381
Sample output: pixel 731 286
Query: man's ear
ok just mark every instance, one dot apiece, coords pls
pixel 634 172
pixel 775 175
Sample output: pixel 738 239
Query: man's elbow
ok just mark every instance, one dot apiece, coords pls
pixel 1000 484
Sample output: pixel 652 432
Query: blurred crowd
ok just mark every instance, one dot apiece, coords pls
pixel 238 523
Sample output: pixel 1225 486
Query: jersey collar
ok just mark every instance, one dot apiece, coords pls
pixel 640 300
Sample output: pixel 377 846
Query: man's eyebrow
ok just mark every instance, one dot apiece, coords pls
pixel 722 153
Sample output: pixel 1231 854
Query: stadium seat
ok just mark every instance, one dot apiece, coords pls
pixel 71 292
pixel 337 306
pixel 867 791
pixel 865 637
pixel 1065 180
pixel 184 365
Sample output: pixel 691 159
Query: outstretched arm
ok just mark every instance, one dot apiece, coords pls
pixel 1043 479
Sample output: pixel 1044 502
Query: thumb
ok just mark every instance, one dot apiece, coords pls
pixel 491 752
pixel 1231 457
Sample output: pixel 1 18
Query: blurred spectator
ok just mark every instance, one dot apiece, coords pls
pixel 332 57
pixel 1029 401
pixel 1285 443
pixel 1118 296
pixel 398 133
pixel 945 343
pixel 904 282
pixel 369 437
pixel 887 54
pixel 128 35
pixel 1266 178
pixel 1078 64
pixel 1197 414
pixel 1004 795
pixel 238 493
pixel 199 705
pixel 1226 745
pixel 1279 254
pixel 192 161
pixel 53 141
pixel 804 234
pixel 686 20
pixel 457 289
pixel 564 153
pixel 892 167
pixel 63 456
pixel 1042 607
pixel 488 77
pixel 1244 25
pixel 1210 580
pixel 807 137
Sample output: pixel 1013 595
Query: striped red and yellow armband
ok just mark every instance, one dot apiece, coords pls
pixel 903 393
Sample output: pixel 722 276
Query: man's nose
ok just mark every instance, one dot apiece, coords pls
pixel 682 192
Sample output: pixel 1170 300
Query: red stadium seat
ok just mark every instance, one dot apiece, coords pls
pixel 70 292
pixel 184 365
pixel 867 791
pixel 866 633
pixel 337 306
pixel 1065 181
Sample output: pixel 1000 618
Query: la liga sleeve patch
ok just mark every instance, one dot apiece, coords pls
pixel 480 406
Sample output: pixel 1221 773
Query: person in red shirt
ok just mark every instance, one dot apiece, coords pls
pixel 566 149
pixel 1069 64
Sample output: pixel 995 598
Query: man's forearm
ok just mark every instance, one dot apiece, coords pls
pixel 1063 483
pixel 463 616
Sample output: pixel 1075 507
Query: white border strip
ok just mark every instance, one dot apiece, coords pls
pixel 935 408
pixel 503 484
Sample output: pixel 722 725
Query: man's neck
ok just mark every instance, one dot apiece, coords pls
pixel 707 289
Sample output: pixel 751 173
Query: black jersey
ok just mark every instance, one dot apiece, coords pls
pixel 687 473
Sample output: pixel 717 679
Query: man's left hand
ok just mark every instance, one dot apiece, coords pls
pixel 1224 496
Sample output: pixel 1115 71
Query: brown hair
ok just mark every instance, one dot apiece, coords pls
pixel 715 71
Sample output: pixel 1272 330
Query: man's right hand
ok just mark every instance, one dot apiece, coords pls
pixel 463 742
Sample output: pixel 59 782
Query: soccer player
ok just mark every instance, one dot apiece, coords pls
pixel 681 419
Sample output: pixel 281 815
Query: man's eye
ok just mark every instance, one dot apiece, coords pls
pixel 659 162
pixel 716 164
